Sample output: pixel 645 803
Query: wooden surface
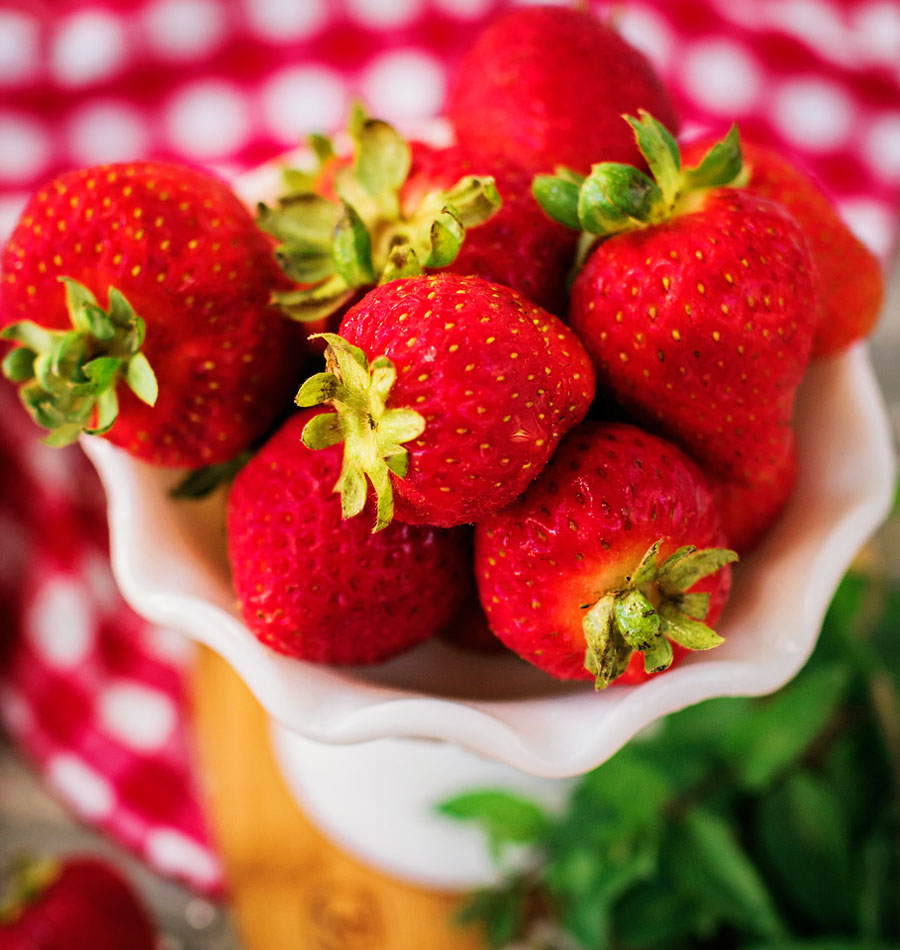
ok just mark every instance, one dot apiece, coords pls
pixel 291 888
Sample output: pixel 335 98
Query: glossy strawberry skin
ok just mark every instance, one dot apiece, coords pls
pixel 519 247
pixel 848 276
pixel 88 906
pixel 187 255
pixel 321 588
pixel 702 327
pixel 748 509
pixel 547 86
pixel 498 381
pixel 607 495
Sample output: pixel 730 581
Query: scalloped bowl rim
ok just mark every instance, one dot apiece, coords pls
pixel 779 598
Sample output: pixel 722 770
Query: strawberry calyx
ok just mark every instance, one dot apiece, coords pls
pixel 615 197
pixel 373 435
pixel 336 248
pixel 29 878
pixel 652 610
pixel 69 377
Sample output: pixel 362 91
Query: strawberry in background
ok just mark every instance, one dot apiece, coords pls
pixel 848 278
pixel 546 85
pixel 75 903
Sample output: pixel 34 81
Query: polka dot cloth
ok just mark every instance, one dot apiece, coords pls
pixel 91 692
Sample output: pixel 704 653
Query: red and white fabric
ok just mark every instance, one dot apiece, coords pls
pixel 91 693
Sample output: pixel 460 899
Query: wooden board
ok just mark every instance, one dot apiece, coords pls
pixel 291 888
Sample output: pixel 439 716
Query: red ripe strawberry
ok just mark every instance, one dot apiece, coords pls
pixel 698 308
pixel 747 509
pixel 191 269
pixel 77 904
pixel 315 586
pixel 848 277
pixel 519 246
pixel 598 562
pixel 547 85
pixel 479 381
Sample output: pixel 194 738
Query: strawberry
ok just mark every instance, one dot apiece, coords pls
pixel 80 903
pixel 352 224
pixel 320 588
pixel 747 509
pixel 546 86
pixel 848 276
pixel 698 307
pixel 518 246
pixel 479 381
pixel 612 553
pixel 153 275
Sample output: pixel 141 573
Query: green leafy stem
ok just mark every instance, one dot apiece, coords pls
pixel 68 378
pixel 652 610
pixel 335 248
pixel 373 435
pixel 616 197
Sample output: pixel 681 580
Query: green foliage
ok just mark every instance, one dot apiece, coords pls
pixel 744 824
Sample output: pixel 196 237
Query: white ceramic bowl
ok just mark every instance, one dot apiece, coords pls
pixel 169 559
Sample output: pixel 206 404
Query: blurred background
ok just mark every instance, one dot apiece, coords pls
pixel 99 749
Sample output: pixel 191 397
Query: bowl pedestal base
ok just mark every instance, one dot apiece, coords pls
pixel 377 800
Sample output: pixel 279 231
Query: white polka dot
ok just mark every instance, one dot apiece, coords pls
pixel 877 27
pixel 24 147
pixel 813 113
pixel 382 14
pixel 283 20
pixel 137 716
pixel 818 24
pixel 11 208
pixel 722 77
pixel 208 119
pixel 882 146
pixel 404 85
pixel 872 222
pixel 179 29
pixel 167 645
pixel 61 624
pixel 647 31
pixel 106 132
pixel 99 579
pixel 303 99
pixel 464 9
pixel 174 853
pixel 15 711
pixel 88 45
pixel 20 54
pixel 86 791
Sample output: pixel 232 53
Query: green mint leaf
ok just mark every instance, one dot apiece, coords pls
pixel 506 818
